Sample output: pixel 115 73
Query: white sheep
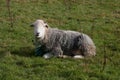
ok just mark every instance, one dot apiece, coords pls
pixel 61 43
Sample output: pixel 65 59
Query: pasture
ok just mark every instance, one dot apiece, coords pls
pixel 100 19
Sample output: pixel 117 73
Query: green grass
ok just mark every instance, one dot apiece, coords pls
pixel 100 19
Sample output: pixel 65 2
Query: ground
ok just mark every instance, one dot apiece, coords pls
pixel 100 19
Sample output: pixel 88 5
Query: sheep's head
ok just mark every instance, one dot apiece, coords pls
pixel 39 28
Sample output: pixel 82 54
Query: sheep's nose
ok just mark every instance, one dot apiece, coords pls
pixel 37 34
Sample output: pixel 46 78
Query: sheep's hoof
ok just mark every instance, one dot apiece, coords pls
pixel 78 57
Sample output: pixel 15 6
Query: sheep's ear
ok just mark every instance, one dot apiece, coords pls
pixel 31 25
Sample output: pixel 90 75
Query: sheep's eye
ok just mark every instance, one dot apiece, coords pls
pixel 46 26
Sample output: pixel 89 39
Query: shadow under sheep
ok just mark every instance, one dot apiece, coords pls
pixel 24 51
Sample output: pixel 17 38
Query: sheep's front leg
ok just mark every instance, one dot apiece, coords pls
pixel 47 55
pixel 57 51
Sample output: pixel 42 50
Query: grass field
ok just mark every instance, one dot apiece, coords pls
pixel 100 19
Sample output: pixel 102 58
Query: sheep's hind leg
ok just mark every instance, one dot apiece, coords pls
pixel 78 57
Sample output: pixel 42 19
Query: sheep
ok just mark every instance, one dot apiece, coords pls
pixel 61 43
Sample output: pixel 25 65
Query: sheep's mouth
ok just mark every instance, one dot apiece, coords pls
pixel 38 38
